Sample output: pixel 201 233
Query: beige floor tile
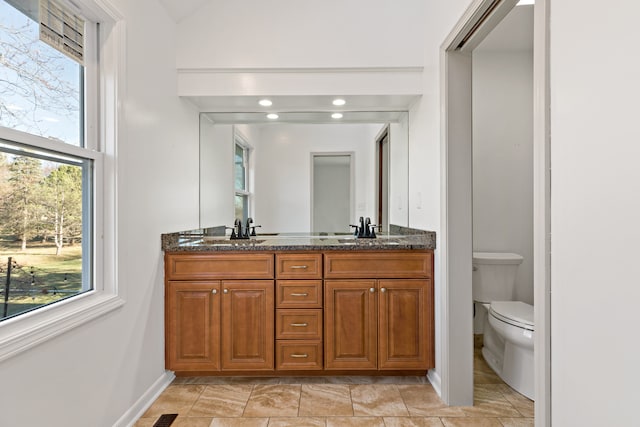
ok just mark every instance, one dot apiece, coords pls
pixel 297 422
pixel 202 380
pixel 192 422
pixel 273 400
pixel 422 400
pixel 377 400
pixel 471 422
pixel 145 422
pixel 355 422
pixel 228 400
pixel 525 406
pixel 488 401
pixel 240 422
pixel 176 399
pixel 412 422
pixel 517 422
pixel 325 400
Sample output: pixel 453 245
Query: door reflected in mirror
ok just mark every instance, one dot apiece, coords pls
pixel 274 161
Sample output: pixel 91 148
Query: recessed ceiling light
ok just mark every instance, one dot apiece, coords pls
pixel 336 116
pixel 272 116
pixel 265 102
pixel 339 102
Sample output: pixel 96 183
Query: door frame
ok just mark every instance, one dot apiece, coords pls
pixel 456 202
pixel 352 179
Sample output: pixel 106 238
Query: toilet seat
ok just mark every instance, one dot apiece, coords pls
pixel 516 313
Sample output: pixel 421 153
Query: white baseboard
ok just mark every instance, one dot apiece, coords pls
pixel 434 379
pixel 132 415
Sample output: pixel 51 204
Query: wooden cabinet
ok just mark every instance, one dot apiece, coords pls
pixel 219 325
pixel 384 324
pixel 192 326
pixel 247 325
pixel 227 313
pixel 299 311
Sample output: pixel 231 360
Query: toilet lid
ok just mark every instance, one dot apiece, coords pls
pixel 516 313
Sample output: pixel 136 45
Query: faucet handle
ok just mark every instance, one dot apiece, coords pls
pixel 253 229
pixel 233 231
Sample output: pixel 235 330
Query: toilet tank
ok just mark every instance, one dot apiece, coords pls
pixel 494 276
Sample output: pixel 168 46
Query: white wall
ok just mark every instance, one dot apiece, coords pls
pixel 293 33
pixel 399 172
pixel 595 207
pixel 283 171
pixel 216 174
pixel 93 374
pixel 503 158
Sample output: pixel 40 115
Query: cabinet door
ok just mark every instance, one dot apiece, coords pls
pixel 350 324
pixel 405 324
pixel 247 325
pixel 192 326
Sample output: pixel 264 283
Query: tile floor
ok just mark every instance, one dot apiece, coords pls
pixel 336 402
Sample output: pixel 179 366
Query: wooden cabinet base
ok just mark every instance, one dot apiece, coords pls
pixel 300 373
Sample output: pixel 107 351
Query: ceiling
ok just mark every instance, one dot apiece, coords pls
pixel 180 9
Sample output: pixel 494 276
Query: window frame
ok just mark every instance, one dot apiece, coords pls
pixel 240 141
pixel 104 89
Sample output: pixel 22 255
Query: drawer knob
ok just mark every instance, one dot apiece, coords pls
pixel 226 291
pixel 372 290
pixel 300 325
pixel 300 295
pixel 300 356
pixel 214 291
pixel 299 267
pixel 383 290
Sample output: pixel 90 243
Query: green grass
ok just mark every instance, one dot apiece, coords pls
pixel 49 274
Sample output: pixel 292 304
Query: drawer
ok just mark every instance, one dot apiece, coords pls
pixel 378 265
pixel 294 355
pixel 299 324
pixel 299 294
pixel 299 266
pixel 219 266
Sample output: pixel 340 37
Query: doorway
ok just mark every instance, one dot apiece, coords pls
pixel 331 192
pixel 457 235
pixel 383 150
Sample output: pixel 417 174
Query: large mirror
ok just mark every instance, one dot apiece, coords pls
pixel 304 172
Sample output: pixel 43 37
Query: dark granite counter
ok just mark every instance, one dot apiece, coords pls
pixel 213 239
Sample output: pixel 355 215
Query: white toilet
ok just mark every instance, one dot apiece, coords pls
pixel 508 325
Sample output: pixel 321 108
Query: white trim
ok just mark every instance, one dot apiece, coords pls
pixel 435 380
pixel 55 321
pixel 542 214
pixel 138 409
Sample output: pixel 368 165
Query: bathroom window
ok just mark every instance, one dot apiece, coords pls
pixel 46 159
pixel 241 178
pixel 52 171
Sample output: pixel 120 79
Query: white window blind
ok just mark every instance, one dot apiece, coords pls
pixel 62 29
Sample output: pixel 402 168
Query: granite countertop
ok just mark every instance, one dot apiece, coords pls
pixel 214 240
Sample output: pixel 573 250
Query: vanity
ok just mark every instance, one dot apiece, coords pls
pixel 291 304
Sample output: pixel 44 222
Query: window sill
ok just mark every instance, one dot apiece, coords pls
pixel 22 333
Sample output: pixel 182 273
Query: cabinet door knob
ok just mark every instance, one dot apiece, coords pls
pixel 214 291
pixel 226 291
pixel 383 290
pixel 372 290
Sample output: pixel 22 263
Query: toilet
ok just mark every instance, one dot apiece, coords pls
pixel 507 325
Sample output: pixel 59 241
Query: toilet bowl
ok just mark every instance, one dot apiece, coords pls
pixel 508 325
pixel 508 344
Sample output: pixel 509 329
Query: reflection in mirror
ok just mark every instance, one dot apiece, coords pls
pixel 263 169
